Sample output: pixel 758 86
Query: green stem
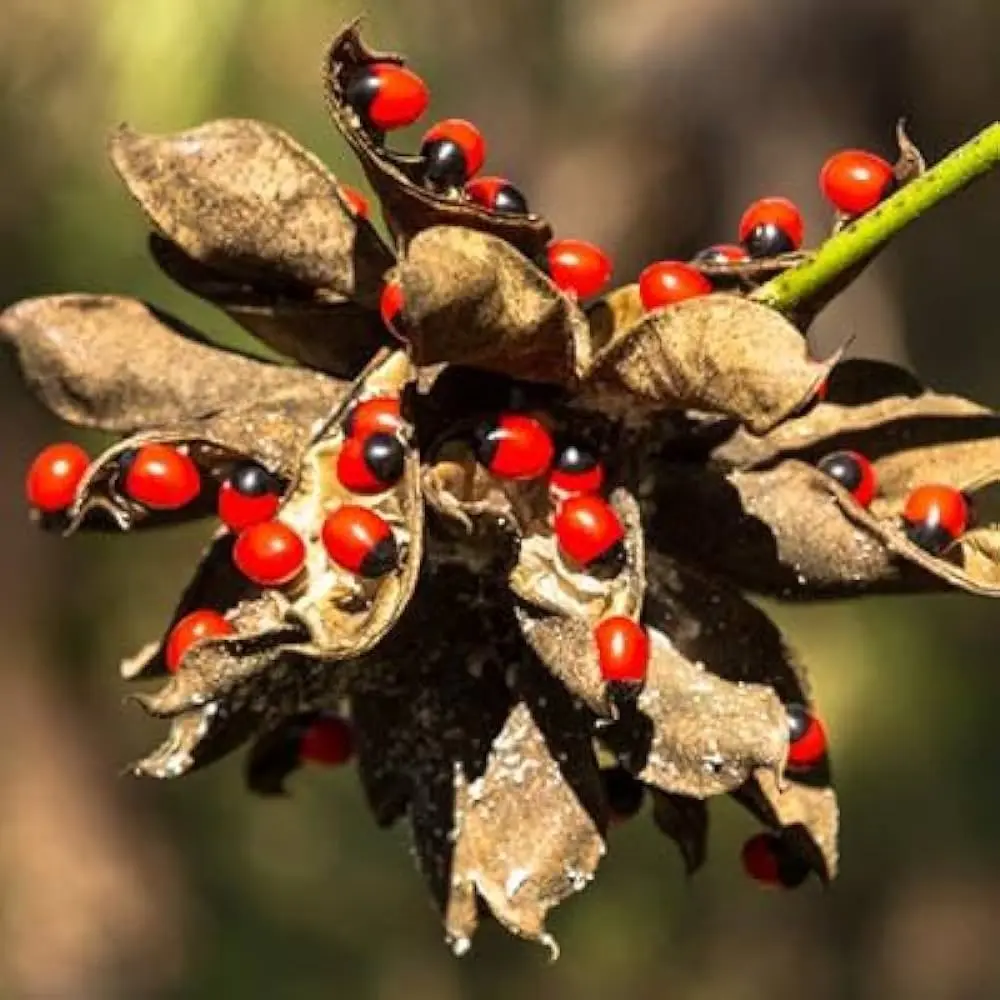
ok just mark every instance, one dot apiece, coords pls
pixel 862 238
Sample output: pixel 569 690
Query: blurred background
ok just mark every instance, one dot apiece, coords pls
pixel 645 125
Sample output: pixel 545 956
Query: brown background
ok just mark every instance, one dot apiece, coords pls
pixel 645 125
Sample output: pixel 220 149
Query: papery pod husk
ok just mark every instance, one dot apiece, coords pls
pixel 245 199
pixel 470 298
pixel 685 821
pixel 397 179
pixel 688 732
pixel 346 615
pixel 717 352
pixel 273 434
pixel 119 365
pixel 338 337
pixel 806 814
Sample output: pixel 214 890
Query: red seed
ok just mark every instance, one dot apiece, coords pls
pixel 329 740
pixel 576 471
pixel 355 201
pixel 371 464
pixel 516 447
pixel 622 650
pixel 238 511
pixel 853 471
pixel 194 627
pixel 498 195
pixel 359 540
pixel 807 744
pixel 270 554
pixel 767 219
pixel 54 476
pixel 855 181
pixel 587 528
pixel 939 510
pixel 387 96
pixel 376 415
pixel 391 307
pixel 162 478
pixel 579 267
pixel 722 253
pixel 760 859
pixel 670 281
pixel 465 137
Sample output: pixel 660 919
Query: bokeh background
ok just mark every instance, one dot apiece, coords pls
pixel 645 125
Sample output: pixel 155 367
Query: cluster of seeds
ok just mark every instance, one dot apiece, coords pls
pixel 934 515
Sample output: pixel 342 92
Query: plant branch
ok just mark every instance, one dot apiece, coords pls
pixel 859 240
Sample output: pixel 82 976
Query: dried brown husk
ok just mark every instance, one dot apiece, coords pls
pixel 245 199
pixel 472 299
pixel 409 206
pixel 338 337
pixel 806 814
pixel 685 821
pixel 117 364
pixel 718 353
pixel 274 434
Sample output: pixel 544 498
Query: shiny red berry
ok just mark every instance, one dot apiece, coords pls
pixel 670 281
pixel 771 226
pixel 578 266
pixel 935 515
pixel 270 554
pixel 854 181
pixel 391 307
pixel 498 195
pixel 515 447
pixel 588 531
pixel 769 861
pixel 623 792
pixel 329 740
pixel 722 253
pixel 371 464
pixel 194 627
pixel 54 476
pixel 622 650
pixel 853 471
pixel 249 496
pixel 806 739
pixel 361 541
pixel 453 150
pixel 576 471
pixel 386 96
pixel 162 478
pixel 355 201
pixel 376 415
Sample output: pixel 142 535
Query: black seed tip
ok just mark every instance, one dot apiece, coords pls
pixel 798 721
pixel 361 89
pixel 843 468
pixel 385 456
pixel 624 792
pixel 485 442
pixel 609 563
pixel 768 240
pixel 252 480
pixel 574 459
pixel 445 165
pixel 931 536
pixel 622 694
pixel 382 559
pixel 792 870
pixel 510 201
pixel 125 459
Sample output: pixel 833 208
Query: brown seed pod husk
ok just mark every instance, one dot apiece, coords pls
pixel 119 365
pixel 245 199
pixel 472 299
pixel 338 337
pixel 408 205
pixel 718 353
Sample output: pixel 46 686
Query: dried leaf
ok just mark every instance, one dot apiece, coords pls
pixel 334 336
pixel 472 299
pixel 685 821
pixel 397 179
pixel 245 199
pixel 806 814
pixel 119 365
pixel 718 353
